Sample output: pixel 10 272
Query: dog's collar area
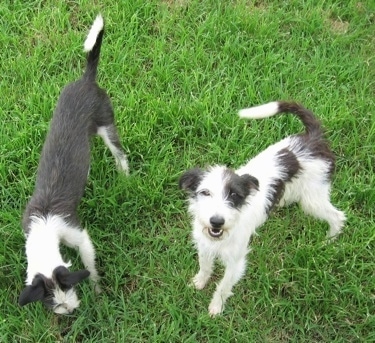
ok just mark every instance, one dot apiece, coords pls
pixel 215 232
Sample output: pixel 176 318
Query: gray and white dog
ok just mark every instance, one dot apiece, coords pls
pixel 51 216
pixel 227 206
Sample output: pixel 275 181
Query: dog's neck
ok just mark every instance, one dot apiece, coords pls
pixel 42 247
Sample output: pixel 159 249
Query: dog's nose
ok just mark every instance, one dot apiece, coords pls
pixel 217 221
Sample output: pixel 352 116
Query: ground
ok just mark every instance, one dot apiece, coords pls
pixel 177 73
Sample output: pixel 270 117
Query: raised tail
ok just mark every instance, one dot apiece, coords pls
pixel 312 125
pixel 92 46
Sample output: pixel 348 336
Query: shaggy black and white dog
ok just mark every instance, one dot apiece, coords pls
pixel 228 205
pixel 51 217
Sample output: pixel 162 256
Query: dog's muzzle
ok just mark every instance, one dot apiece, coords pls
pixel 216 230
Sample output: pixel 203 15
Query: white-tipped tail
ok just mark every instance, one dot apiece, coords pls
pixel 96 27
pixel 261 111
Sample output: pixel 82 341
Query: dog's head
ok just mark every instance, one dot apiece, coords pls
pixel 57 292
pixel 216 197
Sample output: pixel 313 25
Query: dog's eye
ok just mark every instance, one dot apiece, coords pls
pixel 234 195
pixel 204 192
pixel 234 198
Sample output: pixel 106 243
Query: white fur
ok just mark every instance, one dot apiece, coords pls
pixel 44 240
pixel 43 255
pixel 66 302
pixel 261 111
pixel 310 188
pixel 121 159
pixel 96 27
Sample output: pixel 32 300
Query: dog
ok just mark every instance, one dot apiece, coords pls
pixel 227 206
pixel 50 217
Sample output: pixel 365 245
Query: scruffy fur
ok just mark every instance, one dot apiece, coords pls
pixel 227 206
pixel 51 216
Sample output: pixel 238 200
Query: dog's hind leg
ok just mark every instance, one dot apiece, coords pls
pixel 233 273
pixel 206 263
pixel 316 202
pixel 112 141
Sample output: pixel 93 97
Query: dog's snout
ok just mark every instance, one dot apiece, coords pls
pixel 217 221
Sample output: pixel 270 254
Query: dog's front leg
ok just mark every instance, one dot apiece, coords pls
pixel 234 270
pixel 87 252
pixel 206 262
pixel 80 239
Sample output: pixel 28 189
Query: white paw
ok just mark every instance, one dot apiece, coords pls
pixel 199 281
pixel 97 288
pixel 216 307
pixel 95 282
pixel 122 166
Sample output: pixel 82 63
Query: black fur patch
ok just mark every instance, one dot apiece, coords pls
pixel 312 140
pixel 237 188
pixel 318 148
pixel 275 193
pixel 311 124
pixel 66 279
pixel 290 168
pixel 40 289
pixel 289 163
pixel 190 180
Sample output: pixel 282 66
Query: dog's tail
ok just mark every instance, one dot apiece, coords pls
pixel 92 46
pixel 312 124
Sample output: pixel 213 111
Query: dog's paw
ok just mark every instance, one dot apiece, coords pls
pixel 122 166
pixel 95 282
pixel 97 288
pixel 216 307
pixel 199 281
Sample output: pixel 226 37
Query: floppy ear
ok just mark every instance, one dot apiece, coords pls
pixel 190 180
pixel 250 181
pixel 34 292
pixel 68 279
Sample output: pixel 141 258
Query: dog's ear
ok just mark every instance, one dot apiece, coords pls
pixel 67 279
pixel 34 292
pixel 251 182
pixel 190 180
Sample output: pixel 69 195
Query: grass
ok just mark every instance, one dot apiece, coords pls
pixel 177 72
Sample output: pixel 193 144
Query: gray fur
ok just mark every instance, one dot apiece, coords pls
pixel 82 108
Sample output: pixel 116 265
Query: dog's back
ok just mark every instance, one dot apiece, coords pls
pixel 65 159
pixel 298 168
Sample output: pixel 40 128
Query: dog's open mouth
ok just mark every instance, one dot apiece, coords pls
pixel 215 233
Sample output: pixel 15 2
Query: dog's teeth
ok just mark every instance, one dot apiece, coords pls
pixel 215 232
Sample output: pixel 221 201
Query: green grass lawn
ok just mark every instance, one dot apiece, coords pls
pixel 177 73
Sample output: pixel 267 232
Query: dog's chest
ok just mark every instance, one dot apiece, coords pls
pixel 225 248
